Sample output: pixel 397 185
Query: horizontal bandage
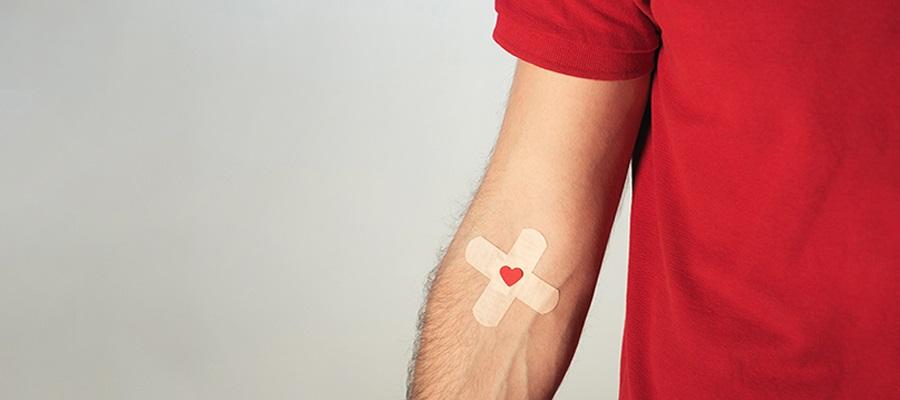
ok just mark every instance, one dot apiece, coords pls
pixel 511 277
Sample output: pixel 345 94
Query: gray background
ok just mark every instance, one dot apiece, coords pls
pixel 236 200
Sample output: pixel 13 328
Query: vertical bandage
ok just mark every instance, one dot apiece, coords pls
pixel 511 277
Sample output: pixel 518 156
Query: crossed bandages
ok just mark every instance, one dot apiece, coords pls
pixel 511 277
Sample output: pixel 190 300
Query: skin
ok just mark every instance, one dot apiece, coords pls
pixel 559 166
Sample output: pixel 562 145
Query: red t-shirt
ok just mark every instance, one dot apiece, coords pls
pixel 765 229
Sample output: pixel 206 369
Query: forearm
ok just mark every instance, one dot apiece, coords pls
pixel 527 352
pixel 568 190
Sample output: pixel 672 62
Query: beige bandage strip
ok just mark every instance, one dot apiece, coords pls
pixel 511 277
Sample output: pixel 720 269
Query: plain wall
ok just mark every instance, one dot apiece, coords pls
pixel 242 199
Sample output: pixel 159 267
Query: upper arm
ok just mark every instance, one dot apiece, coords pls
pixel 564 144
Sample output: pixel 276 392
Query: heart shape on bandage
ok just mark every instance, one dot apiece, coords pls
pixel 511 275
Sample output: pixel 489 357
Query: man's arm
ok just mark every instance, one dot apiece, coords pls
pixel 558 166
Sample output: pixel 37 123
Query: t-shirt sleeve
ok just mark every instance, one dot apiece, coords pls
pixel 595 39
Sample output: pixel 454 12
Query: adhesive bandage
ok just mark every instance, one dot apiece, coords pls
pixel 511 277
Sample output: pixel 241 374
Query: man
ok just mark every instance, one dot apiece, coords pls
pixel 765 249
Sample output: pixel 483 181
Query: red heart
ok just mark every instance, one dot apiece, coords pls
pixel 511 275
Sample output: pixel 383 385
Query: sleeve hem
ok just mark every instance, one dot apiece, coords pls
pixel 569 57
